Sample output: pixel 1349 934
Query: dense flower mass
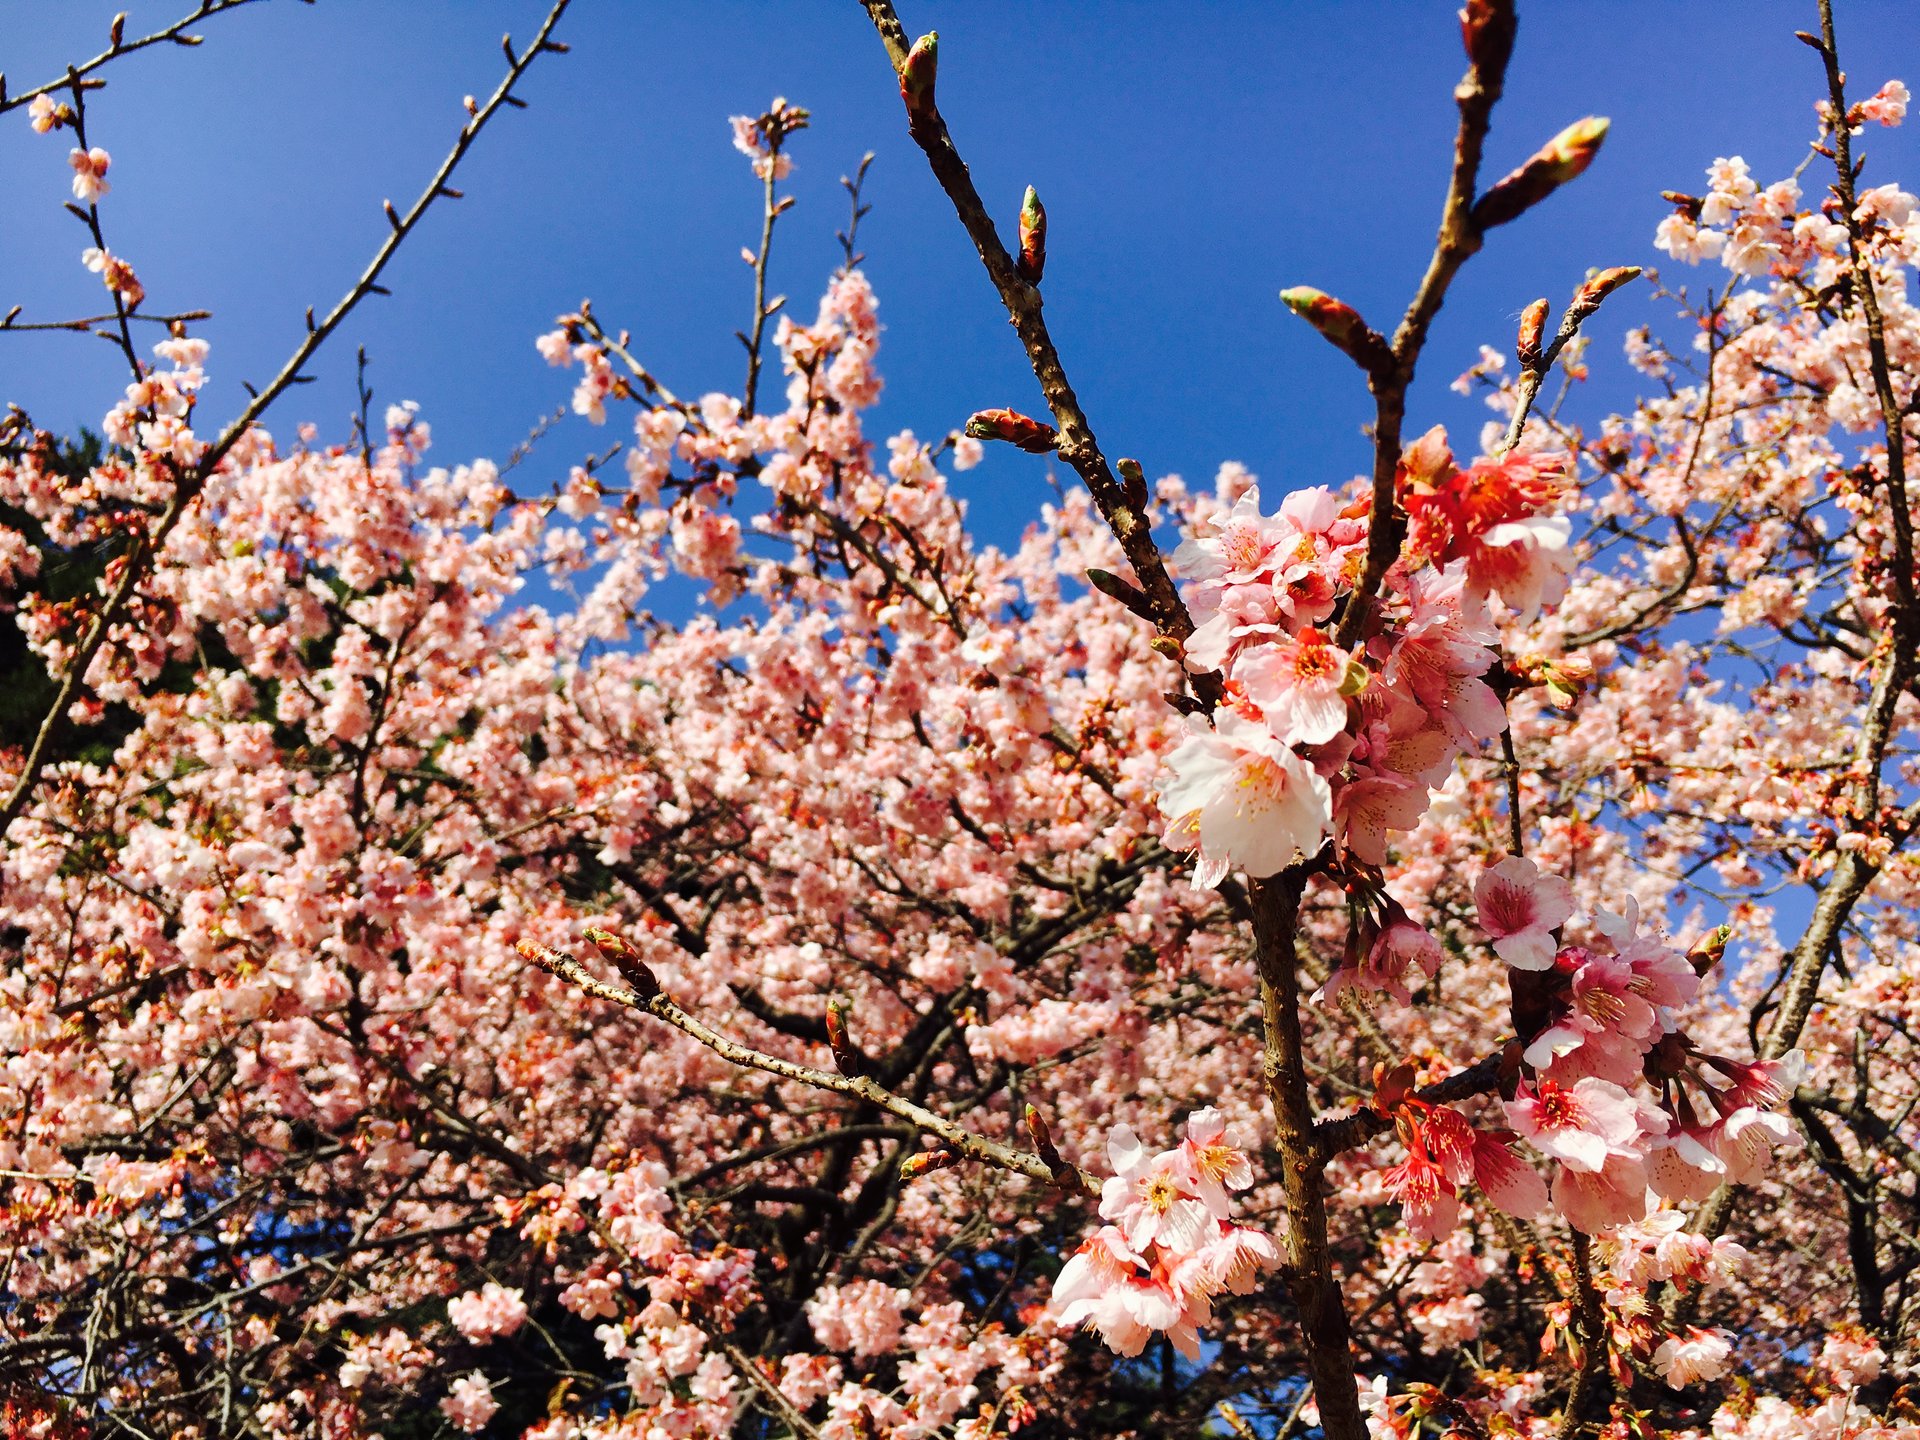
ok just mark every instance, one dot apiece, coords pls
pixel 937 991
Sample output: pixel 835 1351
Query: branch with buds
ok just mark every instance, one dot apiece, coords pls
pixel 1535 359
pixel 117 46
pixel 1016 278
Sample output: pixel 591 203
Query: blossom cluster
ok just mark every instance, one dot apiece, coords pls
pixel 1168 1248
pixel 1611 1020
pixel 1315 738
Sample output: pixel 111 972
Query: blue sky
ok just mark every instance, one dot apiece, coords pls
pixel 1194 160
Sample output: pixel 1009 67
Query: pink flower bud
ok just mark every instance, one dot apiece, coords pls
pixel 1341 324
pixel 925 1162
pixel 627 960
pixel 1033 237
pixel 1533 327
pixel 846 1058
pixel 1020 431
pixel 1553 165
pixel 917 73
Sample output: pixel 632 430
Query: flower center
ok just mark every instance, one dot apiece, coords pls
pixel 1159 1192
pixel 1558 1108
pixel 1215 1161
pixel 1241 548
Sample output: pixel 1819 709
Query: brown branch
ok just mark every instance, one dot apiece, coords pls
pixel 1898 648
pixel 1123 507
pixel 1309 1258
pixel 860 1087
pixel 188 486
pixel 1536 362
pixel 1347 1132
pixel 1894 655
pixel 1491 23
pixel 176 33
pixel 85 323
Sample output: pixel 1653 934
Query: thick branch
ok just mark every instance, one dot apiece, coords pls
pixel 1316 1293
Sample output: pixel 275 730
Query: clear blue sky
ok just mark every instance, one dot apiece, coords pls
pixel 1194 159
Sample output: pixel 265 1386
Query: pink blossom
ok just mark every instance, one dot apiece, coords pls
pixel 1147 1197
pixel 1852 1357
pixel 1691 1356
pixel 1581 1125
pixel 1520 908
pixel 89 173
pixel 1886 106
pixel 1596 1201
pixel 1526 562
pixel 1298 685
pixel 469 1404
pixel 488 1313
pixel 1427 1197
pixel 1214 1166
pixel 1242 799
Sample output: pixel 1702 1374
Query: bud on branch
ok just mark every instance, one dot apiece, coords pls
pixel 627 960
pixel 925 1162
pixel 1533 329
pixel 1022 432
pixel 1560 160
pixel 917 73
pixel 1587 298
pixel 1033 237
pixel 1709 949
pixel 1341 324
pixel 846 1059
pixel 1042 1135
pixel 1125 591
pixel 1486 29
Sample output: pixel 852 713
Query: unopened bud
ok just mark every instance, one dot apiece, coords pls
pixel 917 73
pixel 1688 205
pixel 1601 284
pixel 1125 591
pixel 117 30
pixel 1022 432
pixel 1557 162
pixel 1033 237
pixel 545 956
pixel 1391 1086
pixel 1135 480
pixel 1709 949
pixel 1167 645
pixel 627 960
pixel 1042 1138
pixel 1564 676
pixel 1341 324
pixel 1486 29
pixel 1533 329
pixel 845 1058
pixel 925 1162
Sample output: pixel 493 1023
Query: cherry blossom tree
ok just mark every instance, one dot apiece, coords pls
pixel 1428 953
